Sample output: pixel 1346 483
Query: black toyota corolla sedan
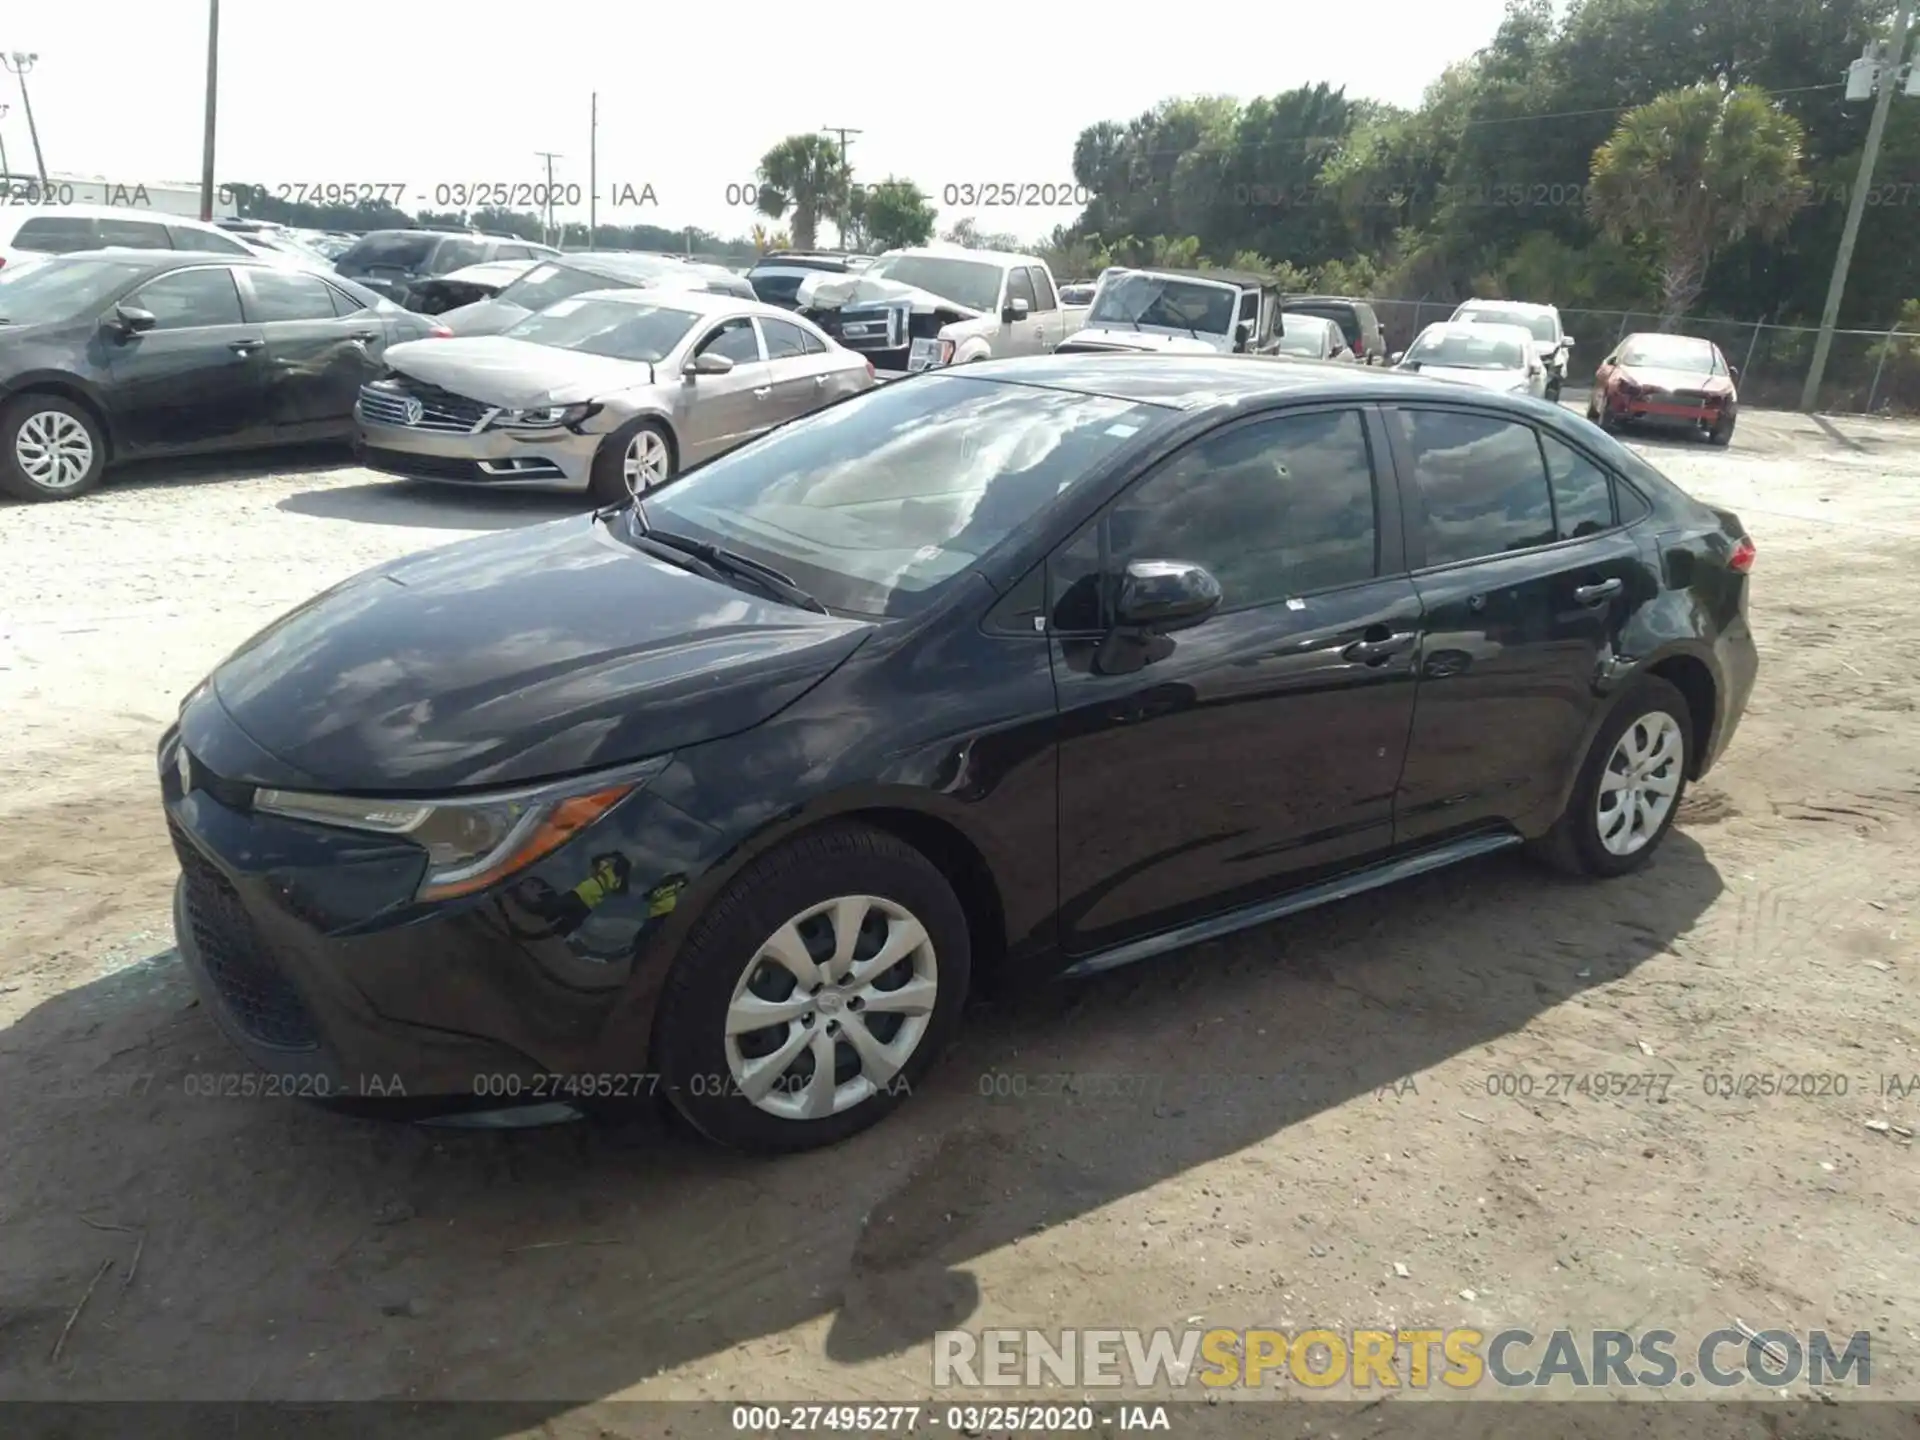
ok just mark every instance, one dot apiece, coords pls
pixel 1036 668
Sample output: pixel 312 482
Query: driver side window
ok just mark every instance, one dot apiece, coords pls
pixel 734 339
pixel 188 299
pixel 1020 287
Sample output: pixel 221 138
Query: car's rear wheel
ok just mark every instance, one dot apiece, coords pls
pixel 1629 788
pixel 816 993
pixel 631 461
pixel 50 448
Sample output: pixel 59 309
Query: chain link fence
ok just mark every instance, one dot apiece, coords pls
pixel 1869 372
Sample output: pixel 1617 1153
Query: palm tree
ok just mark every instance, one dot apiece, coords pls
pixel 804 174
pixel 1693 170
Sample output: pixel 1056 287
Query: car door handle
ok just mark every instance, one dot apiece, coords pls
pixel 1372 652
pixel 762 392
pixel 1600 590
pixel 820 379
pixel 245 347
pixel 368 336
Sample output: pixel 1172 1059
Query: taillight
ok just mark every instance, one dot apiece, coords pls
pixel 439 332
pixel 870 372
pixel 1744 554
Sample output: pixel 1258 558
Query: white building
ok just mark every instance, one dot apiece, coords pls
pixel 165 197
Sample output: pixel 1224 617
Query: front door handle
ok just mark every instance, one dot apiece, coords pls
pixel 1372 652
pixel 245 347
pixel 820 379
pixel 1600 590
pixel 366 336
pixel 763 392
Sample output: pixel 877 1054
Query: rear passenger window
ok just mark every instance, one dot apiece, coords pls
pixel 1582 494
pixel 1481 482
pixel 134 234
pixel 1273 509
pixel 784 341
pixel 189 299
pixel 55 234
pixel 811 342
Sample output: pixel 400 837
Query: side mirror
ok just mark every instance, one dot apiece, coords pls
pixel 708 364
pixel 130 320
pixel 1015 310
pixel 1567 342
pixel 1396 357
pixel 1166 595
pixel 1733 373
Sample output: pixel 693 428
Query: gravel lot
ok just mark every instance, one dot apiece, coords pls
pixel 1300 1126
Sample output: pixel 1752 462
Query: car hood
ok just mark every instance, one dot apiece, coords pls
pixel 1482 379
pixel 512 658
pixel 1148 339
pixel 828 291
pixel 483 317
pixel 1674 379
pixel 516 374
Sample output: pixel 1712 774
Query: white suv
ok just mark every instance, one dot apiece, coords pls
pixel 30 232
pixel 1541 321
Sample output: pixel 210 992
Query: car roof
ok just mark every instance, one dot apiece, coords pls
pixel 1198 382
pixel 698 302
pixel 1626 340
pixel 1517 333
pixel 1525 307
pixel 1220 277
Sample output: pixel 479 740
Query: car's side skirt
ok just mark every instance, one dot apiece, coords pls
pixel 1357 882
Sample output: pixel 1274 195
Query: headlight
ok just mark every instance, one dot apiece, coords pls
pixel 546 417
pixel 473 842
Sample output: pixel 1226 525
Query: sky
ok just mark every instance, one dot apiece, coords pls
pixel 413 95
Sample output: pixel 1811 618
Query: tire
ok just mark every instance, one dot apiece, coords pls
pixel 707 1076
pixel 610 483
pixel 1722 434
pixel 1608 421
pixel 1553 391
pixel 43 438
pixel 1576 845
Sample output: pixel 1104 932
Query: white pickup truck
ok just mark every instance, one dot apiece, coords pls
pixel 915 310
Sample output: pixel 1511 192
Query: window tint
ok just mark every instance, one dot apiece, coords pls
pixel 1482 483
pixel 1275 508
pixel 188 298
pixel 135 234
pixel 343 303
pixel 735 340
pixel 1250 305
pixel 1019 287
pixel 1582 494
pixel 289 295
pixel 784 341
pixel 513 252
pixel 811 342
pixel 1042 289
pixel 56 234
pixel 387 250
pixel 206 241
pixel 457 255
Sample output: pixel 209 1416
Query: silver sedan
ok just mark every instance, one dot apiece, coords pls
pixel 611 392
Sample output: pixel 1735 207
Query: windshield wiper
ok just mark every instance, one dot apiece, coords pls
pixel 727 563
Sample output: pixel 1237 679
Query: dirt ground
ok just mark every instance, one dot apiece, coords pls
pixel 1320 1123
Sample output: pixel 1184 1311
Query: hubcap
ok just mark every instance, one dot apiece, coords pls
pixel 831 1007
pixel 646 463
pixel 53 450
pixel 1638 787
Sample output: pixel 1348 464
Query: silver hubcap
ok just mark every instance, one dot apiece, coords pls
pixel 53 450
pixel 1639 785
pixel 831 1007
pixel 646 463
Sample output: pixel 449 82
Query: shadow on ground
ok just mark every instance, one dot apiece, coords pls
pixel 281 1251
pixel 433 507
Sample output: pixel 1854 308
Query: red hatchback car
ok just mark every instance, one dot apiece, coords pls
pixel 1673 380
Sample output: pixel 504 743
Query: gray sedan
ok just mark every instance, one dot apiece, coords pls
pixel 611 392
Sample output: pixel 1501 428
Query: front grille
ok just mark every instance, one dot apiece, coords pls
pixel 874 328
pixel 256 995
pixel 386 402
pixel 420 467
pixel 1690 397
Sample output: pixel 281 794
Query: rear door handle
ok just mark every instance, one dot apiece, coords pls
pixel 369 336
pixel 245 347
pixel 763 392
pixel 820 379
pixel 1372 652
pixel 1600 590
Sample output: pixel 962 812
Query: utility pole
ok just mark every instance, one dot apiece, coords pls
pixel 1890 76
pixel 213 96
pixel 6 172
pixel 843 132
pixel 593 170
pixel 20 63
pixel 546 233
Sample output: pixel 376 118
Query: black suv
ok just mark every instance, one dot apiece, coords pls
pixel 776 277
pixel 1354 317
pixel 391 261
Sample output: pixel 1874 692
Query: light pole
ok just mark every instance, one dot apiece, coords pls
pixel 20 63
pixel 546 227
pixel 213 96
pixel 6 171
pixel 1887 78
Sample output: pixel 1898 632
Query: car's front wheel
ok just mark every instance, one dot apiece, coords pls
pixel 631 461
pixel 53 449
pixel 819 989
pixel 1629 787
pixel 1722 432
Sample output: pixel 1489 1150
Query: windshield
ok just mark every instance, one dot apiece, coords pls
pixel 1669 352
pixel 1305 336
pixel 1168 303
pixel 1463 350
pixel 616 329
pixel 63 288
pixel 873 503
pixel 972 283
pixel 1539 326
pixel 546 284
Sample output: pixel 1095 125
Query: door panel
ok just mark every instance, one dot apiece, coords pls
pixel 801 382
pixel 1514 644
pixel 198 377
pixel 722 411
pixel 316 360
pixel 1208 768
